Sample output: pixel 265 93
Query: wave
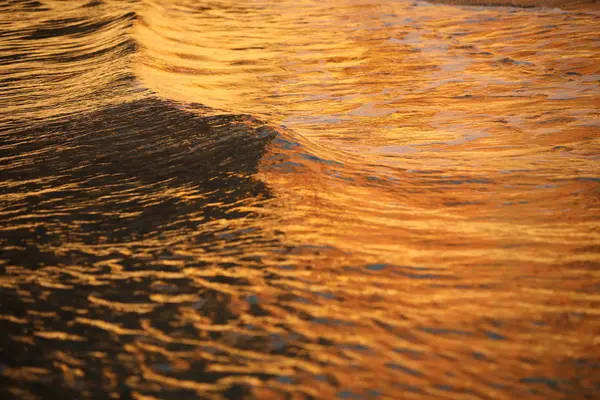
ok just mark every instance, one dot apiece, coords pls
pixel 356 199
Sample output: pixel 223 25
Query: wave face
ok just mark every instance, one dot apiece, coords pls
pixel 353 199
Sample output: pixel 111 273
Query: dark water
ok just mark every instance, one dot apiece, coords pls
pixel 345 199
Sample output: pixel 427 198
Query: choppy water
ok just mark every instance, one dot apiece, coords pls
pixel 296 199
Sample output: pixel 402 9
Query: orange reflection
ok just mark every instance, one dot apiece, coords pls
pixel 422 224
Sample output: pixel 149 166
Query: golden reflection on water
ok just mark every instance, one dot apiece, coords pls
pixel 423 224
pixel 419 122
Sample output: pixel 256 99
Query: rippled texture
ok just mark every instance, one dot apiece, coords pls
pixel 352 199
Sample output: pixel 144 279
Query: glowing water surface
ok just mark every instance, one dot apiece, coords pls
pixel 353 199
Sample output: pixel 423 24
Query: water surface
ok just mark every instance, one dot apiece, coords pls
pixel 351 199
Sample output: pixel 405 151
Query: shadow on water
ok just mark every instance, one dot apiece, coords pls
pixel 106 216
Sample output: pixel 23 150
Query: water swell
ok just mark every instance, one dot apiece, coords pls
pixel 164 234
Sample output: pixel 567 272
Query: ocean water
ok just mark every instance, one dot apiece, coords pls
pixel 359 199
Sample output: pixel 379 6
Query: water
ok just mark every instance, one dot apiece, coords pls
pixel 342 199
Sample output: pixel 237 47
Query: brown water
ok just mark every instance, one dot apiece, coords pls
pixel 351 199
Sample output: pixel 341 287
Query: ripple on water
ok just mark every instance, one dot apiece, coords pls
pixel 321 199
